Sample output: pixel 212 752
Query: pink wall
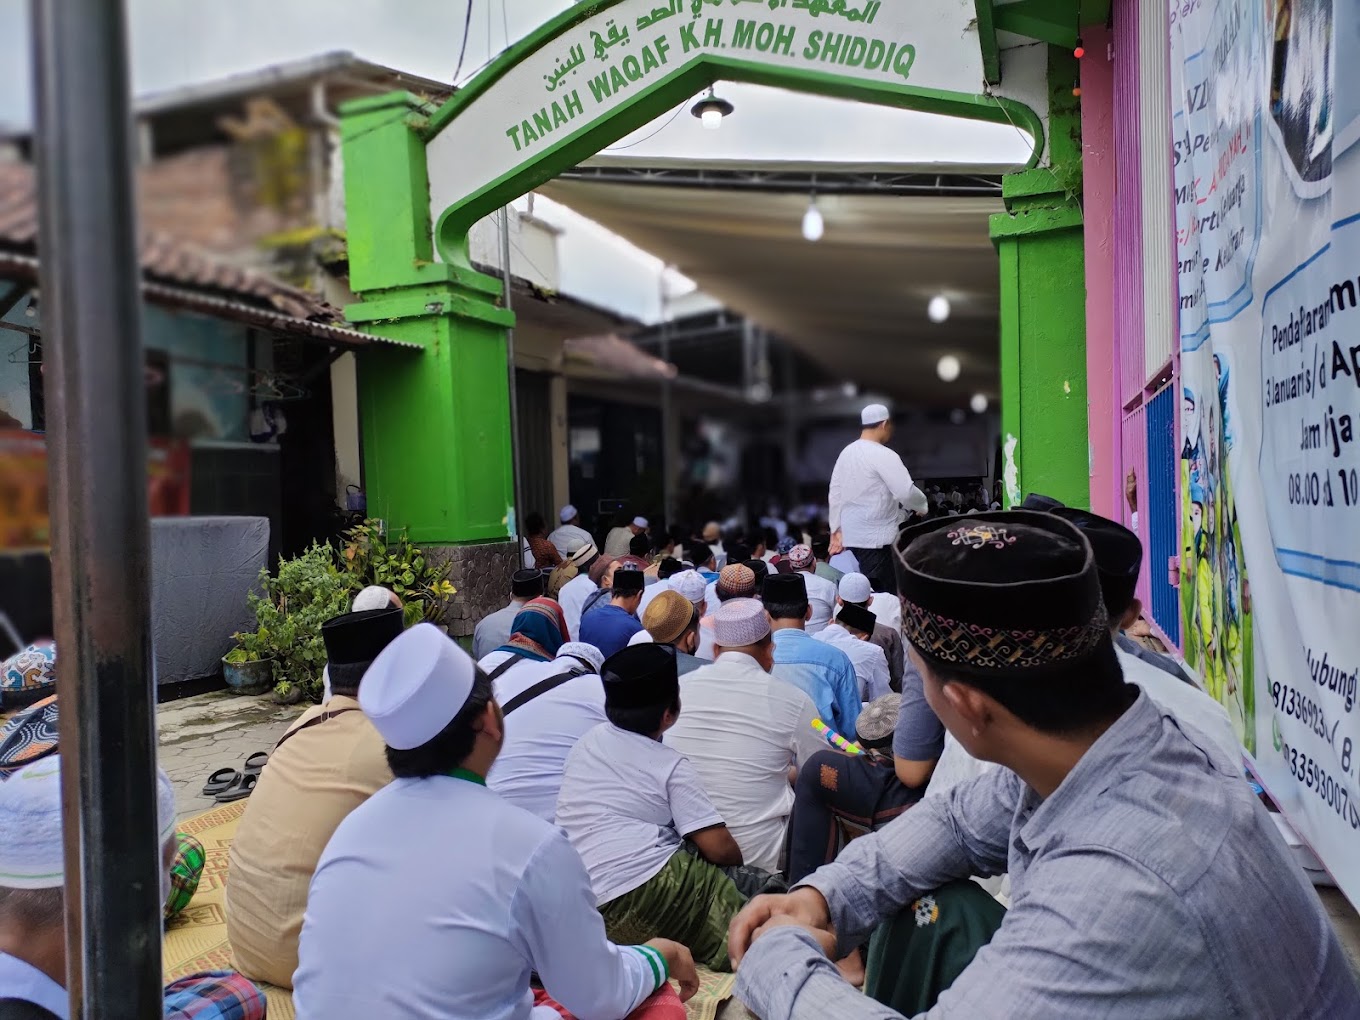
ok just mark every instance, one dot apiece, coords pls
pixel 1098 111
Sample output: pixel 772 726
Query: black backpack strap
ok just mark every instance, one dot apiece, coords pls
pixel 495 673
pixel 542 687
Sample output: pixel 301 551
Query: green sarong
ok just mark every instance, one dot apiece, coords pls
pixel 689 901
pixel 918 954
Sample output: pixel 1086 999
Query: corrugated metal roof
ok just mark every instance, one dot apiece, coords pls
pixel 177 275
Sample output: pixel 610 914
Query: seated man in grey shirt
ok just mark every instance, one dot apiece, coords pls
pixel 1147 881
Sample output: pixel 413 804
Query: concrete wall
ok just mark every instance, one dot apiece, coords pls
pixel 345 420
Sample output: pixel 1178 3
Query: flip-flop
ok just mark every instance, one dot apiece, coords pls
pixel 239 790
pixel 220 780
pixel 255 763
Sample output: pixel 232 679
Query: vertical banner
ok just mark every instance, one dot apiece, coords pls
pixel 1266 113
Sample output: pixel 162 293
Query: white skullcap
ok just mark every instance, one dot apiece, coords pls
pixel 642 637
pixel 740 622
pixel 855 588
pixel 375 596
pixel 566 513
pixel 874 414
pixel 640 522
pixel 30 824
pixel 583 652
pixel 416 686
pixel 691 584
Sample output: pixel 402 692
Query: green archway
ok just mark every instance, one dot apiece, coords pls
pixel 436 425
pixel 601 70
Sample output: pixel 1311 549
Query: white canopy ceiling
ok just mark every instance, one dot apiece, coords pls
pixel 855 302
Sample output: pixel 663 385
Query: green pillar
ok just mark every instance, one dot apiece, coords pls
pixel 435 416
pixel 1043 311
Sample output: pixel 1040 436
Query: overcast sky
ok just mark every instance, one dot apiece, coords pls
pixel 175 42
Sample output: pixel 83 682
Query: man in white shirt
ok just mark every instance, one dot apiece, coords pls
pixel 869 487
pixel 570 536
pixel 494 629
pixel 743 730
pixel 821 592
pixel 850 633
pixel 855 590
pixel 629 803
pixel 554 704
pixel 572 597
pixel 619 539
pixel 388 935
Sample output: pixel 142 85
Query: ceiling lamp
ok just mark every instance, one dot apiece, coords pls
pixel 948 368
pixel 711 110
pixel 938 309
pixel 978 403
pixel 814 226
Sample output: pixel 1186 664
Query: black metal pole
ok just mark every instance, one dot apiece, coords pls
pixel 96 415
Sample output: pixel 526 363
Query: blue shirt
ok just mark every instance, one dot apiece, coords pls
pixel 824 673
pixel 609 629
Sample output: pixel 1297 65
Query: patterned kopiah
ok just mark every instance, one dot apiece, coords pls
pixel 979 535
pixel 28 675
pixel 30 735
pixel 973 646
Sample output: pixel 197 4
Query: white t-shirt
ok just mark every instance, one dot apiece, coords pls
pixel 869 485
pixel 627 803
pixel 650 592
pixel 568 538
pixel 888 609
pixel 540 733
pixel 572 599
pixel 392 932
pixel 742 728
pixel 1188 705
pixel 871 665
pixel 822 596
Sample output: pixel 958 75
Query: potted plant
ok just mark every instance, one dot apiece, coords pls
pixel 304 593
pixel 249 666
pixel 372 555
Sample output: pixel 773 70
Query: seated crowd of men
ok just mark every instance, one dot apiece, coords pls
pixel 649 764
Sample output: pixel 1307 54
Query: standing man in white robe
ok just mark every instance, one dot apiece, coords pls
pixel 869 487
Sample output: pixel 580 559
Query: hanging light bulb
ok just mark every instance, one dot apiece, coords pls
pixel 938 309
pixel 978 403
pixel 814 226
pixel 948 368
pixel 711 110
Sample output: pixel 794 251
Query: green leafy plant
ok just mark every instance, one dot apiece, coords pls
pixel 306 591
pixel 372 555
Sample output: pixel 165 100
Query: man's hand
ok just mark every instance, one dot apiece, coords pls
pixel 837 543
pixel 680 964
pixel 804 907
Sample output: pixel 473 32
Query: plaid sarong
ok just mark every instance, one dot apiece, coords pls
pixel 689 901
pixel 214 995
pixel 184 873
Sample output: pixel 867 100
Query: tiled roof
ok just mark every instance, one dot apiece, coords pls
pixel 166 261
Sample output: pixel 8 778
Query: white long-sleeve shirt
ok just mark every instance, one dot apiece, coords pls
pixel 386 935
pixel 871 665
pixel 869 485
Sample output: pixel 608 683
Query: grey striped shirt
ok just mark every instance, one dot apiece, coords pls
pixel 1151 885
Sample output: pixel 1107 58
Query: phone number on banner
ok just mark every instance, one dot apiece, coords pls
pixel 1331 791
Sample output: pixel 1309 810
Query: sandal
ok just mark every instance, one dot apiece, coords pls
pixel 239 790
pixel 255 763
pixel 220 780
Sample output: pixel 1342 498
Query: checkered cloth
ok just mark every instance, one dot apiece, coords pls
pixel 214 995
pixel 184 874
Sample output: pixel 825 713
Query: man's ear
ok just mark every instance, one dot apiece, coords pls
pixel 492 722
pixel 971 706
pixel 1131 615
pixel 808 615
